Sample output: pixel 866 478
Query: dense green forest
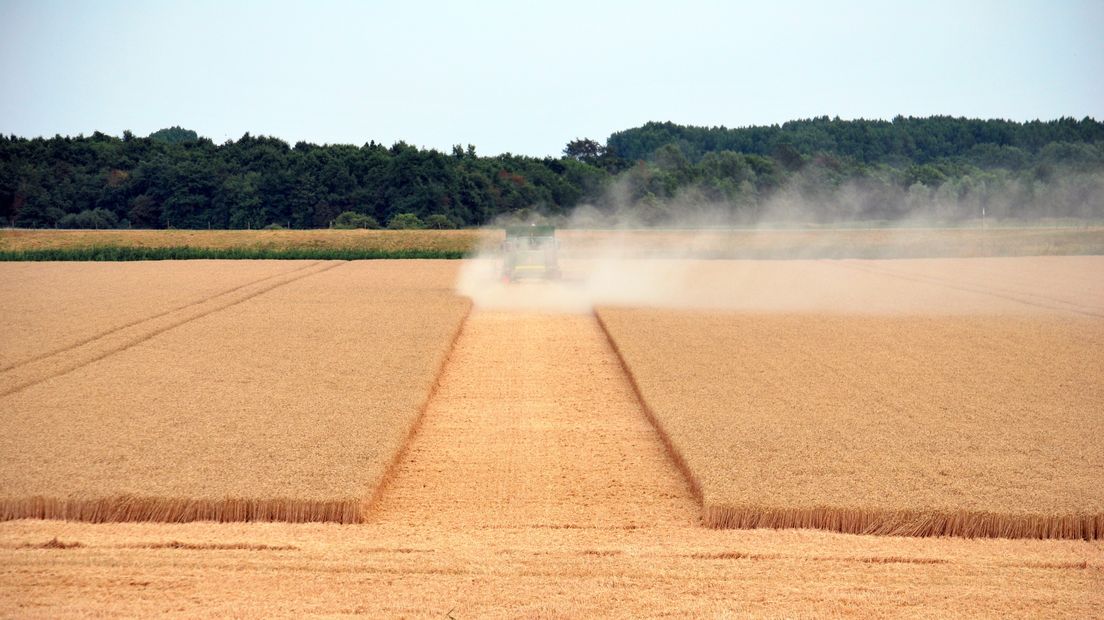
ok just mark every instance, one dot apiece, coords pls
pixel 817 170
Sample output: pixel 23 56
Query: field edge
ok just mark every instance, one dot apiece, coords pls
pixel 368 505
pixel 668 445
pixel 130 508
pixel 914 523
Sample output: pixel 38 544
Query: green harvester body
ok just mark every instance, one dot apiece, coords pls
pixel 530 252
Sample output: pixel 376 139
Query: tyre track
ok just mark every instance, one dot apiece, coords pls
pixel 84 341
pixel 72 358
pixel 1047 303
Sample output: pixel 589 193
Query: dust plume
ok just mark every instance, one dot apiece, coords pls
pixel 791 251
pixel 597 268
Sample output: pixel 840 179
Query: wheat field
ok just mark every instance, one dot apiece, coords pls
pixel 534 487
pixel 48 307
pixel 902 425
pixel 289 403
pixel 454 240
pixel 762 243
pixel 502 464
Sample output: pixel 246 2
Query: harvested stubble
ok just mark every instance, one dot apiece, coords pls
pixel 284 569
pixel 534 424
pixel 908 425
pixel 290 405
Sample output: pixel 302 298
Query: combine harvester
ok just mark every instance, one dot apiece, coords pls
pixel 530 252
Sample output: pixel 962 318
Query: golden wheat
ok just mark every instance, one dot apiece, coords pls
pixel 47 307
pixel 287 404
pixel 912 425
pixel 390 240
pixel 716 243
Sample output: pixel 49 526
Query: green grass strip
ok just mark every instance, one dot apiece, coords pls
pixel 124 253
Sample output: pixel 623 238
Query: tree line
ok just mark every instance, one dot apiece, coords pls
pixel 661 173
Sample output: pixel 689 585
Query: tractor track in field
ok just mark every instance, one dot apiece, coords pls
pixel 63 361
pixel 107 332
pixel 1037 301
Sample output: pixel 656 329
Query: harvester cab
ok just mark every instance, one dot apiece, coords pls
pixel 530 252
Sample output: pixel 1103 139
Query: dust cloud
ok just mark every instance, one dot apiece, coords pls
pixel 789 258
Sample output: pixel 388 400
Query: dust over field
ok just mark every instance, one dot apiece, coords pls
pixel 931 287
pixel 289 404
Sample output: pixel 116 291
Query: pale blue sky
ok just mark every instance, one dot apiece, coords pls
pixel 528 77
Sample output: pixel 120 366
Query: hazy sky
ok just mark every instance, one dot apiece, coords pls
pixel 527 77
